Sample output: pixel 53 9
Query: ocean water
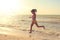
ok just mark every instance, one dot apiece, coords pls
pixel 49 21
pixel 24 21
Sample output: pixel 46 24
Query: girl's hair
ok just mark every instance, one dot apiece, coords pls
pixel 34 10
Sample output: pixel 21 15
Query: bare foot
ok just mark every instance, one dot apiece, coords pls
pixel 42 26
pixel 30 32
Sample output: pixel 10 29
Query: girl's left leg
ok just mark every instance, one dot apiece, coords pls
pixel 31 27
pixel 38 25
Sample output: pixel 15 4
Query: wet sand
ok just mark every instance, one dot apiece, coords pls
pixel 7 33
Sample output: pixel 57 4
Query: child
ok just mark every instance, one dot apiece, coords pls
pixel 34 21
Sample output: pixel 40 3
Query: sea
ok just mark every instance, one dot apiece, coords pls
pixel 23 22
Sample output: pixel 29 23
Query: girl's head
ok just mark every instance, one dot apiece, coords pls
pixel 33 11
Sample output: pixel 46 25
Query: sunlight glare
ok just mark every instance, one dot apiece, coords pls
pixel 8 7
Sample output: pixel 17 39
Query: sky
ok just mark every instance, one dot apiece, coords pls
pixel 23 7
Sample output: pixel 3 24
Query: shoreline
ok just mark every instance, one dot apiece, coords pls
pixel 15 34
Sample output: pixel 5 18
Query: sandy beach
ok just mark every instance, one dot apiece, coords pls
pixel 7 33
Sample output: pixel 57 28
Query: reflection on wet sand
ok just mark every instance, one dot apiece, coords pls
pixel 16 34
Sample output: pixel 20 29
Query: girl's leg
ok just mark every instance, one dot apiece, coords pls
pixel 38 25
pixel 31 27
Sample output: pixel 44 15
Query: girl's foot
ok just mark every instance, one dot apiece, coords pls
pixel 42 26
pixel 30 32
